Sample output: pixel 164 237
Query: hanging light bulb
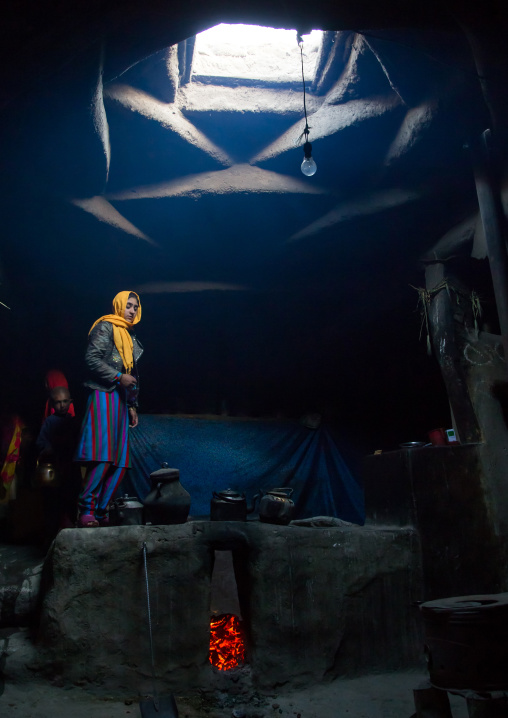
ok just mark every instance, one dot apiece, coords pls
pixel 309 167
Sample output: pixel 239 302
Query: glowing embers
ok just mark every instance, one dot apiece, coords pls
pixel 227 645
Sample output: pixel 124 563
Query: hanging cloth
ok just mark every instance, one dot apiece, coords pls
pixel 8 473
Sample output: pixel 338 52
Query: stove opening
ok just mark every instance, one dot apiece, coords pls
pixel 227 644
pixel 227 628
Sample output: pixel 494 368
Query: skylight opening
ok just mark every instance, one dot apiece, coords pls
pixel 255 54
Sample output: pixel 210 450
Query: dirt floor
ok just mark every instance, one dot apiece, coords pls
pixel 389 695
pixel 24 695
pixel 375 696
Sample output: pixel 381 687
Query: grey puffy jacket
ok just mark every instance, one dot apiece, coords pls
pixel 103 359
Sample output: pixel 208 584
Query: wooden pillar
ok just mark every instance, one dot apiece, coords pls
pixel 487 706
pixel 448 354
pixel 485 31
pixel 431 702
pixel 494 226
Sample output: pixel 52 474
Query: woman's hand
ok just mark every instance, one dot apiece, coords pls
pixel 127 380
pixel 133 417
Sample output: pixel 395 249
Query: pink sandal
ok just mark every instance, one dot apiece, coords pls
pixel 104 521
pixel 87 521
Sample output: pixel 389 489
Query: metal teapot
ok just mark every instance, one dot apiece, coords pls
pixel 228 505
pixel 276 506
pixel 126 511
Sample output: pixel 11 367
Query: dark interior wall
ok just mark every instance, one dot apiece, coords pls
pixel 325 326
pixel 348 348
pixel 332 327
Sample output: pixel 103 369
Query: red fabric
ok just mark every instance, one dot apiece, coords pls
pixel 54 379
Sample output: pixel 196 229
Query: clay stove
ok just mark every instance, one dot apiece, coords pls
pixel 315 602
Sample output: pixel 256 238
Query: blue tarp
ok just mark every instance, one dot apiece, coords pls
pixel 213 454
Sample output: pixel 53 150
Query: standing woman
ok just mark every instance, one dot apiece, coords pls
pixel 111 357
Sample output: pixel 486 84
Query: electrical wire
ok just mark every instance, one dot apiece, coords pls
pixel 307 128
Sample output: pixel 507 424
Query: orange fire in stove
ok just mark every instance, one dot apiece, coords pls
pixel 227 647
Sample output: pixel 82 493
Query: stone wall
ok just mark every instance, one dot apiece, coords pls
pixel 317 602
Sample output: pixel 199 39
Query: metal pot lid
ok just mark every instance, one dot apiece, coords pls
pixel 230 495
pixel 128 502
pixel 165 474
pixel 284 492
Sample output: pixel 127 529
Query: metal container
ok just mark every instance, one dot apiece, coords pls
pixel 228 505
pixel 168 502
pixel 466 641
pixel 126 511
pixel 276 506
pixel 46 475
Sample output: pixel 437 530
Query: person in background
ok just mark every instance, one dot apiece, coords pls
pixel 111 357
pixel 54 380
pixel 56 445
pixel 55 440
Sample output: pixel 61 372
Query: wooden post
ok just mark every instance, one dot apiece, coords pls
pixel 448 354
pixel 487 706
pixel 494 226
pixel 431 702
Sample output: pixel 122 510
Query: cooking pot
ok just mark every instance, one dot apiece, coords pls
pixel 412 444
pixel 126 511
pixel 228 505
pixel 168 502
pixel 276 506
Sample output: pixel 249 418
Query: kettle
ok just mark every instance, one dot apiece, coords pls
pixel 126 511
pixel 228 505
pixel 276 506
pixel 46 474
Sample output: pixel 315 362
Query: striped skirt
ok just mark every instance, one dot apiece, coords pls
pixel 105 430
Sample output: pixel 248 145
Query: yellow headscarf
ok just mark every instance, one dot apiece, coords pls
pixel 121 334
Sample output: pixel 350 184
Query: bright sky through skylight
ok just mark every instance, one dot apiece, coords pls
pixel 254 53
